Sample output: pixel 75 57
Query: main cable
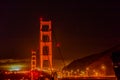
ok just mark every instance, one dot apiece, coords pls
pixel 59 50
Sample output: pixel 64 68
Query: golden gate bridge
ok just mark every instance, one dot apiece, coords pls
pixel 45 53
pixel 46 70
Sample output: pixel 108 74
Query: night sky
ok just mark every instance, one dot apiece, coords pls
pixel 82 28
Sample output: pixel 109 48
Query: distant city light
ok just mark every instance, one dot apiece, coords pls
pixel 15 67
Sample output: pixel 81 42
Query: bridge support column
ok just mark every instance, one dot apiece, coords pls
pixel 45 44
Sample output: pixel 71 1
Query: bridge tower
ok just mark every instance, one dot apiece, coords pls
pixel 45 44
pixel 33 60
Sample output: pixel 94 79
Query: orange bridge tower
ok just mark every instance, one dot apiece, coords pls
pixel 33 60
pixel 45 44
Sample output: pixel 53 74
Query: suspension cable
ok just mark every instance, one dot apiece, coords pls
pixel 59 49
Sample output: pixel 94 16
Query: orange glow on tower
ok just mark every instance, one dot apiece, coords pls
pixel 33 60
pixel 45 44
